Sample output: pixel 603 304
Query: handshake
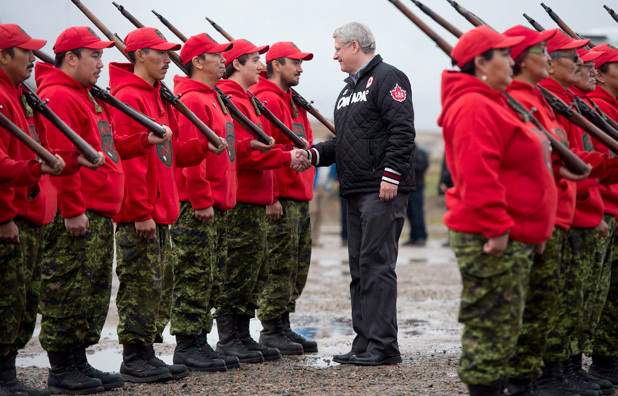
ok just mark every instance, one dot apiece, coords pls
pixel 300 160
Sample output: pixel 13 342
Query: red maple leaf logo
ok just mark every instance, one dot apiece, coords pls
pixel 398 94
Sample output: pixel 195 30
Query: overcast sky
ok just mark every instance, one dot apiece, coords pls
pixel 310 25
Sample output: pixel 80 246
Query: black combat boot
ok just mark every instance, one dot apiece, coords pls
pixel 65 377
pixel 9 384
pixel 229 343
pixel 273 336
pixel 308 346
pixel 109 380
pixel 231 362
pixel 605 367
pixel 242 324
pixel 189 352
pixel 578 385
pixel 494 389
pixel 177 371
pixel 607 388
pixel 522 387
pixel 136 366
pixel 551 382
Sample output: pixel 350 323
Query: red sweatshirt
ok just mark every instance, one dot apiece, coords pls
pixel 288 182
pixel 14 200
pixel 17 173
pixel 255 169
pixel 589 204
pixel 150 189
pixel 608 105
pixel 531 97
pixel 500 166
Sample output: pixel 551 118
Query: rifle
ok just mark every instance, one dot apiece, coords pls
pixel 108 98
pixel 597 117
pixel 236 113
pixel 469 15
pixel 26 139
pixel 564 26
pixel 302 102
pixel 573 162
pixel 441 21
pixel 534 23
pixel 263 109
pixel 611 12
pixel 41 107
pixel 166 94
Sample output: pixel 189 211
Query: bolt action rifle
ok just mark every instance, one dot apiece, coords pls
pixel 611 12
pixel 564 26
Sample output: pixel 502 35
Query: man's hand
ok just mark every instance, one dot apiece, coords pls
pixel 388 191
pixel 213 149
pixel 565 173
pixel 78 225
pixel 146 229
pixel 259 146
pixel 82 161
pixel 274 211
pixel 205 215
pixel 603 229
pixel 497 245
pixel 153 139
pixel 540 248
pixel 54 171
pixel 299 162
pixel 9 232
pixel 305 142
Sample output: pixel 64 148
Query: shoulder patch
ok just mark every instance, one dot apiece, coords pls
pixel 369 82
pixel 398 93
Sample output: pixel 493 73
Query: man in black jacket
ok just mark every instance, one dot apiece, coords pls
pixel 373 152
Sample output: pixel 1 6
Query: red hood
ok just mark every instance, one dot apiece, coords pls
pixel 602 93
pixel 6 82
pixel 47 75
pixel 184 85
pixel 579 93
pixel 233 88
pixel 265 85
pixel 121 75
pixel 456 84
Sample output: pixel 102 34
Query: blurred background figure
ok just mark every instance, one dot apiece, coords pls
pixel 416 201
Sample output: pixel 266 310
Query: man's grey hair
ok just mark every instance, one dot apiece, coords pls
pixel 356 31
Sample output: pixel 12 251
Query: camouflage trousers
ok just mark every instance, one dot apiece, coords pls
pixel 605 341
pixel 492 305
pixel 595 289
pixel 194 248
pixel 246 259
pixel 20 286
pixel 577 261
pixel 76 284
pixel 542 303
pixel 145 269
pixel 288 244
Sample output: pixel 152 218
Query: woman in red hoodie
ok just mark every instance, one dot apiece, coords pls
pixel 502 207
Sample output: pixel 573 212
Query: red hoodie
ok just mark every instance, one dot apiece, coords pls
pixel 213 181
pixel 500 166
pixel 608 105
pixel 589 204
pixel 255 169
pixel 288 182
pixel 532 98
pixel 17 173
pixel 150 188
pixel 14 200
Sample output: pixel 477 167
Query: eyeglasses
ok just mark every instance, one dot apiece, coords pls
pixel 542 51
pixel 588 65
pixel 573 57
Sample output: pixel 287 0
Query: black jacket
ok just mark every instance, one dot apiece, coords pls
pixel 374 120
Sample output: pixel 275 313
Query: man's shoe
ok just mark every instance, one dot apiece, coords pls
pixel 552 382
pixel 273 335
pixel 10 384
pixel 605 367
pixel 231 362
pixel 308 345
pixel 242 324
pixel 579 385
pixel 522 387
pixel 65 377
pixel 373 359
pixel 606 387
pixel 177 371
pixel 189 352
pixel 345 358
pixel 110 380
pixel 496 388
pixel 229 343
pixel 136 366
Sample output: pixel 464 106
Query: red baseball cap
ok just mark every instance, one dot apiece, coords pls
pixel 242 47
pixel 79 37
pixel 561 41
pixel 588 56
pixel 608 52
pixel 532 37
pixel 286 49
pixel 478 40
pixel 201 44
pixel 148 37
pixel 12 35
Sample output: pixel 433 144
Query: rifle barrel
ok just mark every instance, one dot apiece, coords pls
pixel 534 23
pixel 171 27
pixel 562 24
pixel 277 122
pixel 441 21
pixel 611 12
pixel 469 15
pixel 221 31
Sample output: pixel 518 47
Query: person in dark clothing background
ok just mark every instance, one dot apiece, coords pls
pixel 416 201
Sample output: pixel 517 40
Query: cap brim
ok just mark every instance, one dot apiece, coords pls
pixel 546 35
pixel 574 44
pixel 593 55
pixel 167 46
pixel 262 49
pixel 101 45
pixel 509 42
pixel 33 44
pixel 301 55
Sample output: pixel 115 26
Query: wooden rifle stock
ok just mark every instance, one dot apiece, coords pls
pixel 298 99
pixel 564 26
pixel 441 21
pixel 534 23
pixel 469 15
pixel 243 120
pixel 277 122
pixel 611 12
pixel 598 119
pixel 166 94
pixel 26 139
pixel 41 107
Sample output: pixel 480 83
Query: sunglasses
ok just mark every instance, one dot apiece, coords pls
pixel 542 51
pixel 573 57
